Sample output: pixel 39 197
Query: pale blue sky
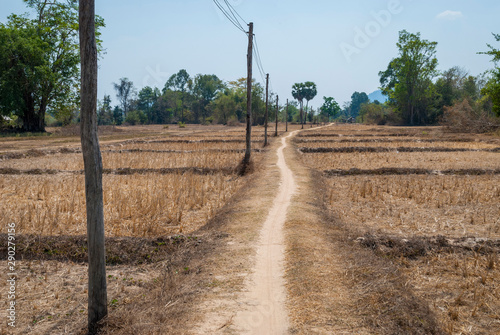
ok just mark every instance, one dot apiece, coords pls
pixel 149 40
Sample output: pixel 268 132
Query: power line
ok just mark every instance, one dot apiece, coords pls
pixel 261 71
pixel 234 14
pixel 234 10
pixel 234 17
pixel 234 21
pixel 258 60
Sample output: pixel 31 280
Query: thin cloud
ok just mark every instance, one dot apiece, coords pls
pixel 450 15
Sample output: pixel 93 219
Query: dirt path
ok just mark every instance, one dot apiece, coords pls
pixel 265 299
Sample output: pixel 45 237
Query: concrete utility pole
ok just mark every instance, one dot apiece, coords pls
pixel 277 108
pixel 267 109
pixel 248 150
pixel 97 292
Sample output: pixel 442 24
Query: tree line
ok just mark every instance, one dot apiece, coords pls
pixel 40 84
pixel 419 94
pixel 202 99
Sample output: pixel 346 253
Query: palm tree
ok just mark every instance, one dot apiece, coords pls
pixel 310 91
pixel 298 93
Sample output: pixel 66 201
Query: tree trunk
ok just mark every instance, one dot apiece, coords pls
pixel 97 293
pixel 32 121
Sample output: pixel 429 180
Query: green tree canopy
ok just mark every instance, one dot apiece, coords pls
pixel 310 91
pixel 492 88
pixel 357 100
pixel 407 81
pixel 39 62
pixel 330 108
pixel 146 100
pixel 180 81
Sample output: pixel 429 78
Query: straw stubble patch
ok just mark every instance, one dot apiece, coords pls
pixel 134 205
pixel 438 234
pixel 334 285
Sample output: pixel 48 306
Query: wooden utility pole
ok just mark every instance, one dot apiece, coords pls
pixel 277 108
pixel 286 117
pixel 97 293
pixel 312 118
pixel 267 109
pixel 302 114
pixel 248 150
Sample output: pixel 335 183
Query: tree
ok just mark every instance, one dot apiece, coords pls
pixel 298 93
pixel 124 93
pixel 408 78
pixel 105 112
pixel 117 115
pixel 179 82
pixel 39 61
pixel 205 88
pixel 146 100
pixel 357 100
pixel 310 91
pixel 293 111
pixel 492 88
pixel 97 292
pixel 377 113
pixel 225 106
pixel 330 108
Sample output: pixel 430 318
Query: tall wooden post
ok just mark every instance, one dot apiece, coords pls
pixel 97 293
pixel 312 118
pixel 267 109
pixel 302 114
pixel 277 108
pixel 286 117
pixel 248 150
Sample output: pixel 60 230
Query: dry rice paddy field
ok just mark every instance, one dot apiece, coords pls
pixel 160 185
pixel 427 201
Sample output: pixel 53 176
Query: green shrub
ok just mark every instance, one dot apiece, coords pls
pixel 136 117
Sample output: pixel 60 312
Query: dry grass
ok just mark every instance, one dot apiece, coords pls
pixel 420 160
pixel 334 285
pixel 134 160
pixel 136 205
pixel 473 145
pixel 424 205
pixel 143 299
pixel 52 296
pixel 460 285
pixel 463 290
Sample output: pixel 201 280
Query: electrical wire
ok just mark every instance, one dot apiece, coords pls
pixel 258 60
pixel 234 21
pixel 234 10
pixel 234 14
pixel 234 17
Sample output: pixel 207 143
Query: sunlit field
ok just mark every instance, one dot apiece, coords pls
pixel 167 183
pixel 433 209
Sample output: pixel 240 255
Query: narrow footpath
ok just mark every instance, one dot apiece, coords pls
pixel 265 296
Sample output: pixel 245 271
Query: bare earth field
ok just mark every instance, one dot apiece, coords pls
pixel 439 226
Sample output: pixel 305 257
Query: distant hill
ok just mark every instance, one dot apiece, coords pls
pixel 377 95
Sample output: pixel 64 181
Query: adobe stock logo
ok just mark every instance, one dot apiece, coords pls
pixel 372 29
pixel 155 77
